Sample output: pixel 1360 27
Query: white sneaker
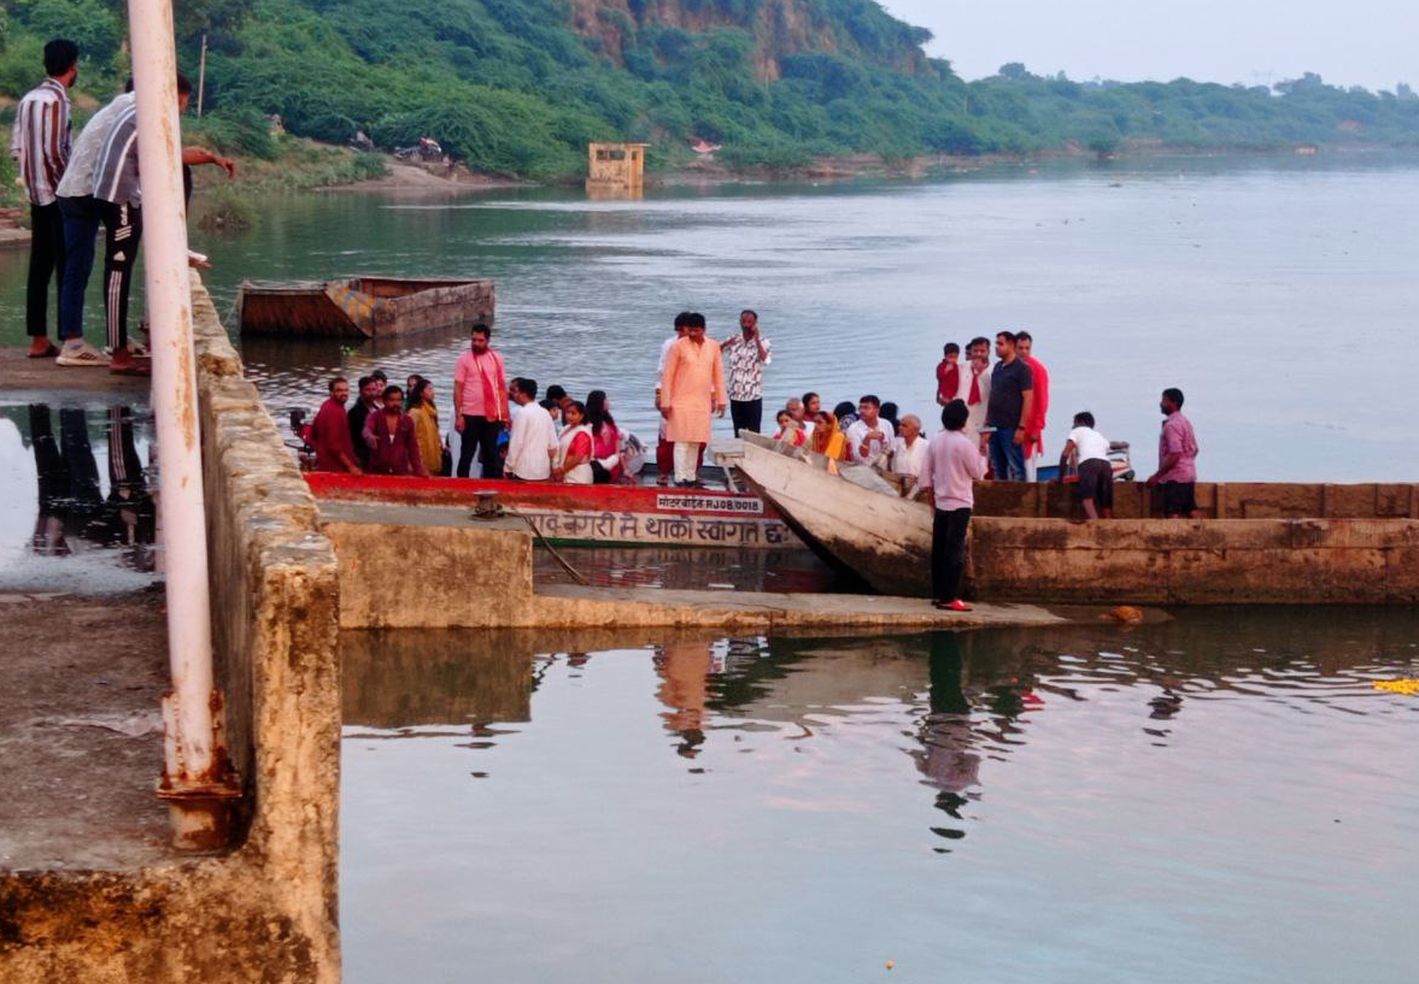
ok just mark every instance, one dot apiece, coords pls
pixel 81 354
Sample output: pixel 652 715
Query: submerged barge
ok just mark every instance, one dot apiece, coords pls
pixel 363 307
pixel 1256 543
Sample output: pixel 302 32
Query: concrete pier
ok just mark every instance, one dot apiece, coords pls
pixel 265 910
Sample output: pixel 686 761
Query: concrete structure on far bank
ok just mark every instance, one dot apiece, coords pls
pixel 615 168
pixel 266 911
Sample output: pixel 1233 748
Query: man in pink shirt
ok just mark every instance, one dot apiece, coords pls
pixel 953 466
pixel 1177 459
pixel 480 404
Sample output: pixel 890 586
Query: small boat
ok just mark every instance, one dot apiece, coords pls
pixel 852 519
pixel 585 515
pixel 363 307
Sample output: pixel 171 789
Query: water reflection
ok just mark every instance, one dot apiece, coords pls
pixel 964 702
pixel 73 512
pixel 833 799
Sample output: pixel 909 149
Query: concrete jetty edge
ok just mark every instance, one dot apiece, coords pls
pixel 267 909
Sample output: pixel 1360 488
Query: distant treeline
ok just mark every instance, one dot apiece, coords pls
pixel 520 86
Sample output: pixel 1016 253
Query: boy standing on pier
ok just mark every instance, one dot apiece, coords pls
pixel 953 466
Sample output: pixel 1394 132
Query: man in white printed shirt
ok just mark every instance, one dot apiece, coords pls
pixel 40 145
pixel 532 448
pixel 748 353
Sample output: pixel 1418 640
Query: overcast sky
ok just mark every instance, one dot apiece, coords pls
pixel 1356 42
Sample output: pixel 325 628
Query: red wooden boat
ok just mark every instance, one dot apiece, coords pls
pixel 620 515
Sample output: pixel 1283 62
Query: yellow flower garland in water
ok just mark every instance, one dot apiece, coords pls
pixel 1409 688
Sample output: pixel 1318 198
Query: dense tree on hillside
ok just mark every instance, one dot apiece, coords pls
pixel 520 86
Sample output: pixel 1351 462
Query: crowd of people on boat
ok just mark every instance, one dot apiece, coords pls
pixel 993 416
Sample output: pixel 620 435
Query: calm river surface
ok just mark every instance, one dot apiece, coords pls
pixel 1222 798
pixel 1272 291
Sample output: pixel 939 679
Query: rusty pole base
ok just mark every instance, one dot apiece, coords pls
pixel 199 806
pixel 201 817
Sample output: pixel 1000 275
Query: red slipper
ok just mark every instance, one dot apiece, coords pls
pixel 48 353
pixel 952 606
pixel 132 369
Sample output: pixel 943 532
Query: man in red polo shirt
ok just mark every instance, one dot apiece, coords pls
pixel 1034 447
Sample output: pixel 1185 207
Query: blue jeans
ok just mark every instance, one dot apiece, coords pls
pixel 1007 459
pixel 81 226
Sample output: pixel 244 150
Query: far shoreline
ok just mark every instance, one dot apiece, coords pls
pixel 413 180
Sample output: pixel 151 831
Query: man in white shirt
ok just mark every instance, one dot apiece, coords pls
pixel 975 387
pixel 870 437
pixel 532 448
pixel 1090 451
pixel 909 452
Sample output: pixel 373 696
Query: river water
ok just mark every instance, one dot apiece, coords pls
pixel 1225 797
pixel 1273 292
pixel 1222 797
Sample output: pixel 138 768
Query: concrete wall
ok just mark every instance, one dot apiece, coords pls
pixel 1230 500
pixel 267 911
pixel 1251 561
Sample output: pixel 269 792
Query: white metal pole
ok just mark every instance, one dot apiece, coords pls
pixel 202 76
pixel 192 761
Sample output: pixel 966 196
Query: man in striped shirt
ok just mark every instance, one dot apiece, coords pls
pixel 39 143
pixel 101 186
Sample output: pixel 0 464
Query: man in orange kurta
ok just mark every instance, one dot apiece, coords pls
pixel 693 386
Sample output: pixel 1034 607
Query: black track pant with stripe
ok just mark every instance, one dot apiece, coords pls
pixel 123 227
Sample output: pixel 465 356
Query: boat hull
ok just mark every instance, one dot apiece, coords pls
pixel 363 307
pixel 586 515
pixel 881 539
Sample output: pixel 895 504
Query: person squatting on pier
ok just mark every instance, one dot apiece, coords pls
pixel 1088 451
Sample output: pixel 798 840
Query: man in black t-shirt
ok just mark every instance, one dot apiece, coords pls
pixel 1011 398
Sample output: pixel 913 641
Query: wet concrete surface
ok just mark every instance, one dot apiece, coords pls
pixel 81 731
pixel 81 603
pixel 23 378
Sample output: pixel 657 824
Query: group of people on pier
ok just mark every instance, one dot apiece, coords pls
pixel 74 186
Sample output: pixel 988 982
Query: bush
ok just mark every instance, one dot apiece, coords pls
pixel 233 131
pixel 89 23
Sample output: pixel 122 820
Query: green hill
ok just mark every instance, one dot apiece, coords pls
pixel 520 86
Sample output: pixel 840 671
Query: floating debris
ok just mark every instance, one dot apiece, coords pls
pixel 1409 688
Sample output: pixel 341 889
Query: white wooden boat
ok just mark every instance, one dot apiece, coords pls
pixel 852 520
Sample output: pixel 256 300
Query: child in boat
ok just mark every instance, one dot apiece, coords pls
pixel 1089 451
pixel 790 431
